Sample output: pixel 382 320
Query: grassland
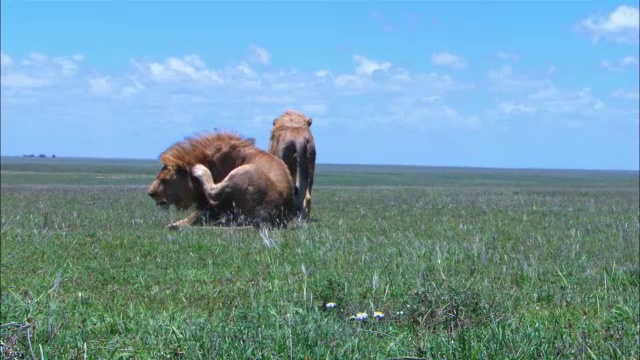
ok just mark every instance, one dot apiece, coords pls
pixel 464 264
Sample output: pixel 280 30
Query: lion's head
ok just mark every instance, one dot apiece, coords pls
pixel 173 186
pixel 292 118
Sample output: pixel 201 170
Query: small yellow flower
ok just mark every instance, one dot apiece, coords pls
pixel 330 305
pixel 378 315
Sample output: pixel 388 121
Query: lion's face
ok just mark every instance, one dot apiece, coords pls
pixel 173 185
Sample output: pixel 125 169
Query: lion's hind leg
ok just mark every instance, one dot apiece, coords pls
pixel 206 179
pixel 306 206
pixel 223 196
pixel 203 174
pixel 241 195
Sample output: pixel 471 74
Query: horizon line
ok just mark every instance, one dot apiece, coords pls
pixel 53 156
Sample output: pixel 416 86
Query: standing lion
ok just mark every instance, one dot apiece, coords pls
pixel 292 141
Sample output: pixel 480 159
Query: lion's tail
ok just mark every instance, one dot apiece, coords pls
pixel 302 172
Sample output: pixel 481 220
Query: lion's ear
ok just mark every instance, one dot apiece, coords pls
pixel 274 122
pixel 309 121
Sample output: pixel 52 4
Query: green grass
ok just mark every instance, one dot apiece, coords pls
pixel 464 263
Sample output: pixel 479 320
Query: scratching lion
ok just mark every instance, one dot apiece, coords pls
pixel 224 177
pixel 292 141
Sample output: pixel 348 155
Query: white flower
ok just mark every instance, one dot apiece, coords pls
pixel 378 315
pixel 330 305
pixel 359 316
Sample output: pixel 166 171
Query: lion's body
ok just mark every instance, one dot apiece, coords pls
pixel 291 140
pixel 243 183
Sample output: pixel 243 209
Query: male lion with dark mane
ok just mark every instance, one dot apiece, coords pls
pixel 292 141
pixel 226 177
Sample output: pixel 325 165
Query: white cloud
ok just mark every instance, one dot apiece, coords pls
pixel 354 82
pixel 552 69
pixel 183 67
pixel 620 64
pixel 629 60
pixel 393 80
pixel 448 59
pixel 320 92
pixel 189 66
pixel 5 60
pixel 599 105
pixel 35 58
pixel 195 61
pixel 273 86
pixel 623 94
pixel 67 65
pixel 402 76
pixel 37 70
pixel 432 98
pixel 23 81
pixel 314 109
pixel 505 80
pixel 429 83
pixel 132 89
pixel 416 113
pixel 157 70
pixel 554 100
pixel 100 85
pixel 368 67
pixel 504 72
pixel 553 104
pixel 322 73
pixel 620 26
pixel 270 99
pixel 452 115
pixel 245 69
pixel 183 93
pixel 521 95
pixel 509 107
pixel 508 56
pixel 260 55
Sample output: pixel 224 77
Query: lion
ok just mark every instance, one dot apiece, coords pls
pixel 226 178
pixel 292 141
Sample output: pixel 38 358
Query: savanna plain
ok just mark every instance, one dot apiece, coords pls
pixel 462 263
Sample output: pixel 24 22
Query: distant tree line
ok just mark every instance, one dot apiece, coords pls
pixel 40 156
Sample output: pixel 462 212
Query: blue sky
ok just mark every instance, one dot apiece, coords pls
pixel 483 84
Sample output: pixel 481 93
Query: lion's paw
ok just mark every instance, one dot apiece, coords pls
pixel 174 226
